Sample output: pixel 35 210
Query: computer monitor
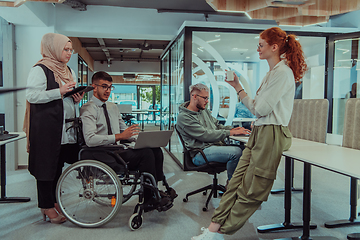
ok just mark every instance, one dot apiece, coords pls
pixel 125 108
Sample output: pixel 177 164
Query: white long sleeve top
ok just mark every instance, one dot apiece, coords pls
pixel 36 93
pixel 274 100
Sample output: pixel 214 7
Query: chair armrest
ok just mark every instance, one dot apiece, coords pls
pixel 202 154
pixel 112 150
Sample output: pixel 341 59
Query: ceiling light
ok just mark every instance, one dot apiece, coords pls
pixel 286 25
pixel 120 40
pixel 231 11
pixel 239 50
pixel 200 49
pixel 247 57
pixel 344 50
pixel 215 40
pixel 217 35
pixel 314 24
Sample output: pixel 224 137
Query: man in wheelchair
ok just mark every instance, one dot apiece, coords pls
pixel 104 126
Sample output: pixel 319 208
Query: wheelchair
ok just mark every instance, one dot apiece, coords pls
pixel 90 193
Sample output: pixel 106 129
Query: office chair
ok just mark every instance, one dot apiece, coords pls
pixel 127 118
pixel 212 168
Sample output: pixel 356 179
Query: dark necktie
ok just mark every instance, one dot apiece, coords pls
pixel 107 119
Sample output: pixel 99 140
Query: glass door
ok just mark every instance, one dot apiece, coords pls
pixel 346 78
pixel 149 100
pixel 83 72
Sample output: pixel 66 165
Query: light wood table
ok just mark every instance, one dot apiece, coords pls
pixel 337 159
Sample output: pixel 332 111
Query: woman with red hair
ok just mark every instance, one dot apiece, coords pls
pixel 256 171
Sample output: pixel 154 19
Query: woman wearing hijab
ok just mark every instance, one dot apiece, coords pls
pixel 49 142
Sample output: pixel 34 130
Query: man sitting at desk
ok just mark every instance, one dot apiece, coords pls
pixel 103 125
pixel 243 112
pixel 200 130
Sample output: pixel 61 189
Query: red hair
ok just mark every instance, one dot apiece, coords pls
pixel 288 46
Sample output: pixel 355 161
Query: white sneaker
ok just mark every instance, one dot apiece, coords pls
pixel 207 235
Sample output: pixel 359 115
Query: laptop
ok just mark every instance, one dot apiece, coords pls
pixel 152 139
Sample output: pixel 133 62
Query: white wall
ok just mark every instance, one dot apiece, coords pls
pixel 30 14
pixel 28 40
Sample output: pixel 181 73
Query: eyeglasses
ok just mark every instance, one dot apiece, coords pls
pixel 106 87
pixel 205 98
pixel 68 50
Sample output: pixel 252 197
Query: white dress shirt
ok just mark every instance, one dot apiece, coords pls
pixel 94 123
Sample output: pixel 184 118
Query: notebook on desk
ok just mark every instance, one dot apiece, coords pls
pixel 152 139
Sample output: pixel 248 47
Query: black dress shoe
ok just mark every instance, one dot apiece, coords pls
pixel 172 193
pixel 164 204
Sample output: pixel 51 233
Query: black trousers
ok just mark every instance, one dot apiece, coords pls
pixel 46 190
pixel 150 160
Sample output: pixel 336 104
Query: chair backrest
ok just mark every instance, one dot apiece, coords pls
pixel 309 119
pixel 210 168
pixel 351 133
pixel 188 164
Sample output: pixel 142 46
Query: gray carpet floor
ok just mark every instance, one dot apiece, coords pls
pixel 330 201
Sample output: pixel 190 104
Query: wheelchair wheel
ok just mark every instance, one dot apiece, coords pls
pixel 135 221
pixel 89 193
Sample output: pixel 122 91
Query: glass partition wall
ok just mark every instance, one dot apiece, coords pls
pixel 203 55
pixel 83 73
pixel 346 78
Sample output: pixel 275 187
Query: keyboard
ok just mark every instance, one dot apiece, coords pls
pixel 4 137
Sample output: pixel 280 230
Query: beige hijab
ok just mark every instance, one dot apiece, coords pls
pixel 52 46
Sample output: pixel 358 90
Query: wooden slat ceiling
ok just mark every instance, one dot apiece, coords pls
pixel 288 12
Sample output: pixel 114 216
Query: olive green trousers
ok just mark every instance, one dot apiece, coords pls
pixel 253 178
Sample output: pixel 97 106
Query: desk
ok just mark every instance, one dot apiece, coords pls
pixel 337 159
pixel 3 198
pixel 153 112
pixel 241 120
pixel 141 112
